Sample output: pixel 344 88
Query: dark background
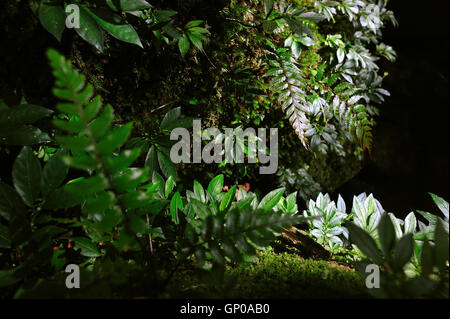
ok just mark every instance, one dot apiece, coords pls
pixel 411 151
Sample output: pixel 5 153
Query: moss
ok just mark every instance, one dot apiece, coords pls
pixel 278 276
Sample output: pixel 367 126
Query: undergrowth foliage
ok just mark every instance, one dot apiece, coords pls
pixel 118 204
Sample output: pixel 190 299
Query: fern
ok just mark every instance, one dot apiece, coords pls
pixel 288 83
pixel 301 99
pixel 112 189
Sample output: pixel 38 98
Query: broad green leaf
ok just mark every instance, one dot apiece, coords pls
pixel 291 202
pixel 365 243
pixel 228 199
pixel 426 258
pixel 22 114
pixel 184 45
pixel 169 186
pixel 89 30
pixel 193 23
pixel 441 240
pixel 170 117
pixel 53 18
pixel 26 176
pixel 268 7
pixel 151 161
pixel 199 191
pixel 216 185
pixel 396 224
pixel 196 39
pixel 441 203
pixel 174 207
pixel 62 198
pixel 23 135
pixel 157 179
pixel 271 200
pixel 403 252
pixel 129 5
pixel 5 242
pixel 410 223
pixel 88 248
pixel 430 217
pixel 386 235
pixel 123 32
pixel 167 166
pixel 54 173
pixel 10 202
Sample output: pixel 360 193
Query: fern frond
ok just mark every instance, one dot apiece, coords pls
pixel 241 231
pixel 287 82
pixel 94 142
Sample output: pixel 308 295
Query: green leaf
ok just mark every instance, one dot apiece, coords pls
pixel 441 240
pixel 169 186
pixel 403 252
pixel 130 179
pixel 167 166
pixel 271 200
pixel 23 135
pixel 118 163
pixel 268 7
pixel 89 30
pixel 136 199
pixel 196 39
pixel 426 258
pixel 365 243
pixel 123 32
pixel 151 161
pixel 216 253
pixel 87 186
pixel 216 185
pixel 228 199
pixel 184 45
pixel 115 139
pixel 231 251
pixel 174 206
pixel 26 176
pixel 441 204
pixel 410 223
pixel 199 191
pixel 61 198
pixel 53 18
pixel 88 248
pixel 386 234
pixel 129 5
pixel 10 202
pixel 22 114
pixel 170 117
pixel 102 123
pixel 5 242
pixel 193 23
pixel 54 173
